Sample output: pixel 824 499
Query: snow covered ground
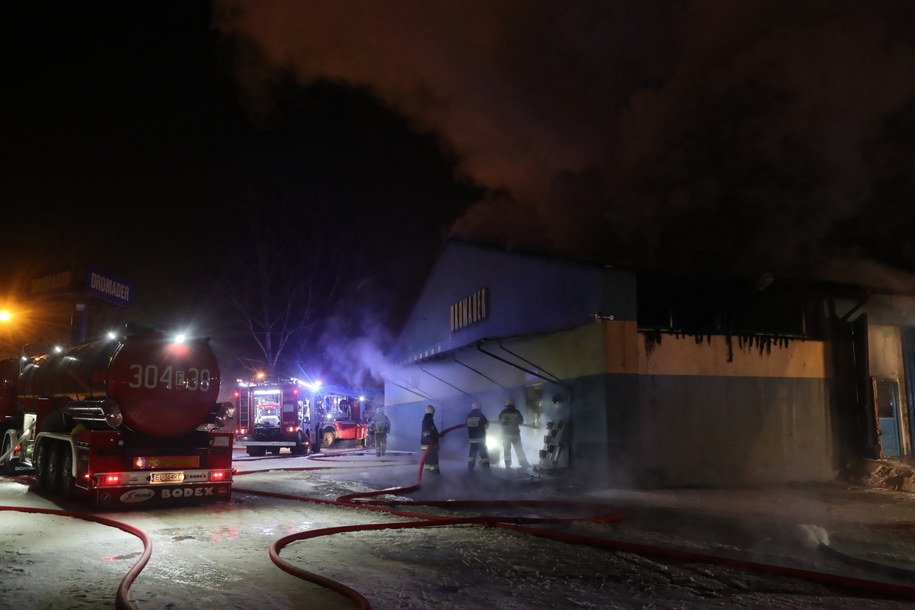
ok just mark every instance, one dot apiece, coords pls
pixel 217 555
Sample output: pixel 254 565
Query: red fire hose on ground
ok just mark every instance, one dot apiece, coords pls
pixel 518 524
pixel 365 501
pixel 121 600
pixel 361 501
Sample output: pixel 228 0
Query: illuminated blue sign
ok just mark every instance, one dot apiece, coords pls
pixel 107 287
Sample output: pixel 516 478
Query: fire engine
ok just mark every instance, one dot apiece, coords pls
pixel 341 417
pixel 303 417
pixel 121 422
pixel 272 414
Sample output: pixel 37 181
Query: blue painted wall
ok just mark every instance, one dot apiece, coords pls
pixel 526 294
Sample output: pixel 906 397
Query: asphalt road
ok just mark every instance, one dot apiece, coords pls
pixel 217 555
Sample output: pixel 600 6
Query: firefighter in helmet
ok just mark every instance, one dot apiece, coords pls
pixel 319 424
pixel 511 420
pixel 429 441
pixel 476 432
pixel 381 425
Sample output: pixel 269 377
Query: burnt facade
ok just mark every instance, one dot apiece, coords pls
pixel 645 378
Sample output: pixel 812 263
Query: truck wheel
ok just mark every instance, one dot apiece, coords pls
pixel 66 472
pixel 7 445
pixel 256 451
pixel 329 438
pixel 41 465
pixel 55 461
pixel 301 446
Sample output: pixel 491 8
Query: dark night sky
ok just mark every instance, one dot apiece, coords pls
pixel 128 145
pixel 773 135
pixel 704 135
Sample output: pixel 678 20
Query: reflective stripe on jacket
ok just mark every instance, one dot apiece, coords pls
pixel 511 420
pixel 476 426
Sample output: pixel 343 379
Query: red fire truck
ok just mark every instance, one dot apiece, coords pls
pixel 272 414
pixel 302 417
pixel 124 421
pixel 341 417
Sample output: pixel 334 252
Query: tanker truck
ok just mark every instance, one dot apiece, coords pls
pixel 119 422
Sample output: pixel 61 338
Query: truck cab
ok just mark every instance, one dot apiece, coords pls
pixel 272 415
pixel 342 419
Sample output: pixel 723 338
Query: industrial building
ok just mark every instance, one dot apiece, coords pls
pixel 645 378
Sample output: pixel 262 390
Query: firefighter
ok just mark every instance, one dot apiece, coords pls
pixel 381 425
pixel 511 420
pixel 429 440
pixel 476 432
pixel 319 424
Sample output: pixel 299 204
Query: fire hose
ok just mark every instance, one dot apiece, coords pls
pixel 361 500
pixel 121 600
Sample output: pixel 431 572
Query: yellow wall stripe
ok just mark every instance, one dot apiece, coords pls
pixel 627 351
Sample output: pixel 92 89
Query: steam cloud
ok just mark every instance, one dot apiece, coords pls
pixel 772 135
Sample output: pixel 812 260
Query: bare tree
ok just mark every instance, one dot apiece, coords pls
pixel 281 275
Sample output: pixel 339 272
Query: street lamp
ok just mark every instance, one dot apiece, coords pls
pixel 6 339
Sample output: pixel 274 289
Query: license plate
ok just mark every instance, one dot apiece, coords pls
pixel 166 477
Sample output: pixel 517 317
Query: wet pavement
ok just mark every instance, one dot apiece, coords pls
pixel 672 548
pixel 845 527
